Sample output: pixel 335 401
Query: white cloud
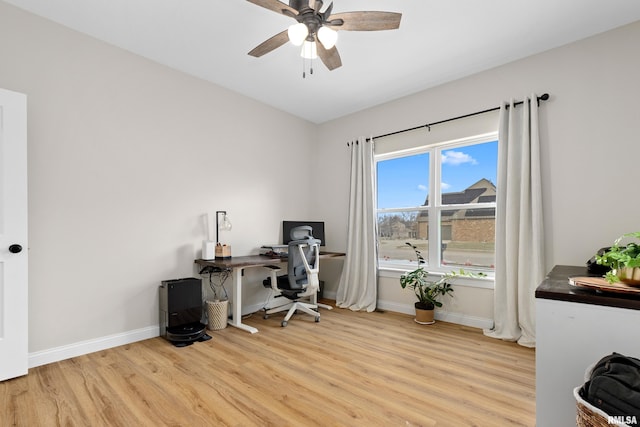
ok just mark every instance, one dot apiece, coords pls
pixel 423 187
pixel 456 158
pixel 445 186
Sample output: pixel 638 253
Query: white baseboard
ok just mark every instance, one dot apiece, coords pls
pixel 329 295
pixel 85 347
pixel 445 316
pixel 57 354
pixel 464 319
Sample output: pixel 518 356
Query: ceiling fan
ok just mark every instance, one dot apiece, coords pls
pixel 316 28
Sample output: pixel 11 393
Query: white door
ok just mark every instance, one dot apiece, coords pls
pixel 13 235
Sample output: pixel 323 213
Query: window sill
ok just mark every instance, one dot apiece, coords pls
pixel 472 282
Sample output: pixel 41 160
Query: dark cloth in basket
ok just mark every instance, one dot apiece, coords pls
pixel 614 386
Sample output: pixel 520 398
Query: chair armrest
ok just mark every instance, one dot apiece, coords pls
pixel 273 274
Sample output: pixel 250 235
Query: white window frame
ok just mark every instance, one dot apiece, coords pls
pixel 435 207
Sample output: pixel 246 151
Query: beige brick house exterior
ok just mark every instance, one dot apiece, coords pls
pixel 465 225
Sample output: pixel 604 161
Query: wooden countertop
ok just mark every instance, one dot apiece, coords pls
pixel 556 287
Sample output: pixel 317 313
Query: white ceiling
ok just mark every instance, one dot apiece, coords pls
pixel 438 41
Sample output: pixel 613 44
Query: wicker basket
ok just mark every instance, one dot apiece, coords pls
pixel 217 312
pixel 589 416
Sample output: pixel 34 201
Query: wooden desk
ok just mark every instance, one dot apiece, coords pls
pixel 237 265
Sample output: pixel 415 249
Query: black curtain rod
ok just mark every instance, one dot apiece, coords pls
pixel 542 97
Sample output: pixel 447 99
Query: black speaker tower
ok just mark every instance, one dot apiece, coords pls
pixel 181 311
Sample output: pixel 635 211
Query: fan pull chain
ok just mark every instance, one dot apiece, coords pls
pixel 304 67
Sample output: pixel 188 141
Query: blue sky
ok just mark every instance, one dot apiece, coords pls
pixel 404 181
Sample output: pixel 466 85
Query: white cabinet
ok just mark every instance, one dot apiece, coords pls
pixel 572 333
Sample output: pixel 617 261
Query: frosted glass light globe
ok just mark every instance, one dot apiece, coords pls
pixel 297 33
pixel 327 37
pixel 309 50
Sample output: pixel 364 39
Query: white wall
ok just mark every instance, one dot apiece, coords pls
pixel 590 145
pixel 124 157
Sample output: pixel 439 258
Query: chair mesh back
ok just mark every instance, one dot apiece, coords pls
pixel 300 236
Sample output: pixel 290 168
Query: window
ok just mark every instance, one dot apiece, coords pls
pixel 442 199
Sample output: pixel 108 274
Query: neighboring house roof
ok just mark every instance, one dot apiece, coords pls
pixel 490 212
pixel 472 194
pixel 466 196
pixel 487 199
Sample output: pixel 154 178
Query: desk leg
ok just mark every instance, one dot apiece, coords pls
pixel 236 308
pixel 314 300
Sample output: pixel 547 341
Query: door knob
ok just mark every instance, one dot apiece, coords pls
pixel 14 249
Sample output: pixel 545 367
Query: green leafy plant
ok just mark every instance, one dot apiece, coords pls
pixel 428 291
pixel 620 257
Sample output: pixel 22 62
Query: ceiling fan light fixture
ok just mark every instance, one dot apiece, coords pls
pixel 327 37
pixel 316 23
pixel 309 50
pixel 298 33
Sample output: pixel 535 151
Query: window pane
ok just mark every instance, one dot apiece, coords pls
pixel 465 174
pixel 396 229
pixel 403 182
pixel 468 237
pixel 469 173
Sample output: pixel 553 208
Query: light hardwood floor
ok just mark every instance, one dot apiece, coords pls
pixel 351 369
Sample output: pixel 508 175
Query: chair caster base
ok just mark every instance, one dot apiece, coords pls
pixel 284 323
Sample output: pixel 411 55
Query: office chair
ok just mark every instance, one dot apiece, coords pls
pixel 301 280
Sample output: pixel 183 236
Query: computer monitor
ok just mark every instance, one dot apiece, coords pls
pixel 317 226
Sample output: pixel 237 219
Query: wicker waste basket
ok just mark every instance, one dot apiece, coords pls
pixel 217 312
pixel 588 415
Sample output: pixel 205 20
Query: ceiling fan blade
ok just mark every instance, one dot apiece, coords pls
pixel 275 5
pixel 270 44
pixel 327 13
pixel 365 21
pixel 329 57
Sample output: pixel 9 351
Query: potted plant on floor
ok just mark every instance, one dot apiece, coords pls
pixel 429 291
pixel 624 261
